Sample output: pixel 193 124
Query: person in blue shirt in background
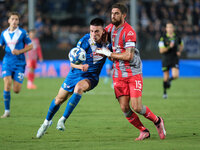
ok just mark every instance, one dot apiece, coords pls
pixel 81 78
pixel 13 39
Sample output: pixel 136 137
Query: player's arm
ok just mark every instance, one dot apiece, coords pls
pixel 83 67
pixel 25 49
pixel 126 56
pixel 180 48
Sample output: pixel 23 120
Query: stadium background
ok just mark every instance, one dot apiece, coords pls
pixel 60 24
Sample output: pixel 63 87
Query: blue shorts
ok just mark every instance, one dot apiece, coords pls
pixel 71 81
pixel 15 71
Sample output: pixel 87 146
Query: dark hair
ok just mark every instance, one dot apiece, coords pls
pixel 169 22
pixel 121 7
pixel 97 22
pixel 14 13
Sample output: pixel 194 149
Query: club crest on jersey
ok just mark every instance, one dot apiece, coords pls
pixel 130 33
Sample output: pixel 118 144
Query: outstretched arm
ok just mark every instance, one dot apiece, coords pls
pixel 127 55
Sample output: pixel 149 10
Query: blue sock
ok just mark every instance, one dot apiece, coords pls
pixel 52 110
pixel 73 101
pixel 6 97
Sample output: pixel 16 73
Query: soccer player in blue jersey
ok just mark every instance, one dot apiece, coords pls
pixel 81 78
pixel 13 39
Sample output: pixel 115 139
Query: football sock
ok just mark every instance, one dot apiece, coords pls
pixel 165 86
pixel 134 120
pixel 71 104
pixel 170 79
pixel 158 122
pixel 149 115
pixel 31 77
pixel 52 110
pixel 6 97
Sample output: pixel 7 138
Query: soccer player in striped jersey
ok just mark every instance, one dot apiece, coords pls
pixel 14 40
pixel 31 59
pixel 81 78
pixel 127 72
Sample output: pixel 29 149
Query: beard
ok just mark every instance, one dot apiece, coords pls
pixel 117 22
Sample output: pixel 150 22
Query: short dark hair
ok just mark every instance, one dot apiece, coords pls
pixel 121 7
pixel 14 13
pixel 97 22
pixel 169 22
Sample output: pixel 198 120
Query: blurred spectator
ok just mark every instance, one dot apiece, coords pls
pixel 60 23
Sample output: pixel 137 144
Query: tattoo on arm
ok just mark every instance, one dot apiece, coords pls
pixel 131 49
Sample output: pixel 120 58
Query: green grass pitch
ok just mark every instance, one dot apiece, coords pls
pixel 97 122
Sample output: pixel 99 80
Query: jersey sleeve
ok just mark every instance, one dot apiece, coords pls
pixel 108 28
pixel 161 43
pixel 83 42
pixel 130 38
pixel 2 42
pixel 27 39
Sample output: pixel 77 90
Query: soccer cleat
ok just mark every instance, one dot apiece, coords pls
pixel 143 135
pixel 31 86
pixel 41 131
pixel 6 115
pixel 165 96
pixel 161 129
pixel 61 125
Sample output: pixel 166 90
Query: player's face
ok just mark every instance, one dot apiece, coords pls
pixel 117 18
pixel 13 21
pixel 96 33
pixel 169 28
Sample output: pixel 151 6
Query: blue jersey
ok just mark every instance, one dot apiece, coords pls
pixel 14 40
pixel 94 61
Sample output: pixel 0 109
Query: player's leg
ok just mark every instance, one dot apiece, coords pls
pixel 165 83
pixel 175 73
pixel 6 95
pixel 31 64
pixel 122 94
pixel 53 108
pixel 136 103
pixel 80 87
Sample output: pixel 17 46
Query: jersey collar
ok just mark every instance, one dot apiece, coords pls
pixel 12 31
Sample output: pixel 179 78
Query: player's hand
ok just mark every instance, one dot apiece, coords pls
pixel 178 53
pixel 84 67
pixel 104 51
pixel 15 52
pixel 171 45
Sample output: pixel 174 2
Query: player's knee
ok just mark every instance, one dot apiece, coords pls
pixel 79 90
pixel 16 91
pixel 59 100
pixel 137 109
pixel 125 108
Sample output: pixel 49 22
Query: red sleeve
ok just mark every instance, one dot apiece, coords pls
pixel 130 35
pixel 109 27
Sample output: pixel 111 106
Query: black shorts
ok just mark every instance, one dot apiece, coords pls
pixel 167 65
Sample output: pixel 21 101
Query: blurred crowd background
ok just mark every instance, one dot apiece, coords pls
pixel 61 23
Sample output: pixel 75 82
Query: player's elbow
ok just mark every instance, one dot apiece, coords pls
pixel 129 57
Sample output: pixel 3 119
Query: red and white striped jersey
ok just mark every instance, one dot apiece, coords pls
pixel 121 39
pixel 36 52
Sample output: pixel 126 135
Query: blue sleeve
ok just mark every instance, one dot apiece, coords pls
pixel 2 42
pixel 27 39
pixel 83 42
